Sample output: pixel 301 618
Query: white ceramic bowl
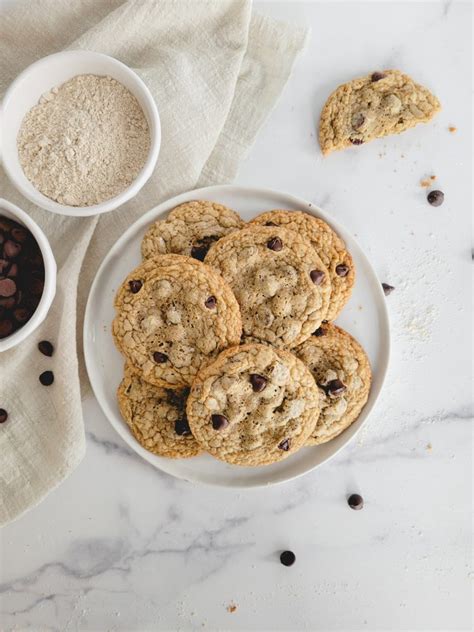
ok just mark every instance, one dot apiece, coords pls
pixel 41 77
pixel 7 209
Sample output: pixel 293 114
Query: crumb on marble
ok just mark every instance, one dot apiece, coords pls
pixel 429 447
pixel 453 129
pixel 231 607
pixel 359 307
pixel 427 182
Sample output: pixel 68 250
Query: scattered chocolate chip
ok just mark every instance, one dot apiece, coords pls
pixel 319 332
pixel 135 285
pixel 376 76
pixel 355 501
pixel 200 248
pixel 270 224
pixel 285 445
pixel 342 270
pixel 435 198
pixel 258 382
pixel 21 314
pixel 181 427
pixel 356 141
pixel 6 328
pixel 219 422
pixel 3 415
pixel 335 388
pixel 46 378
pixel 387 289
pixel 317 276
pixel 7 287
pixel 11 249
pixel 159 357
pixel 210 302
pixel 46 348
pixel 275 243
pixel 287 558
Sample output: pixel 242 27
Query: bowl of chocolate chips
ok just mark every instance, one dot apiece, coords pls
pixel 27 275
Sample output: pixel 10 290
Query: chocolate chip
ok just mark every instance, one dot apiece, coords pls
pixel 7 303
pixel 387 289
pixel 355 501
pixel 36 286
pixel 435 198
pixel 210 302
pixel 258 382
pixel 342 270
pixel 46 348
pixel 3 415
pixel 317 276
pixel 356 141
pixel 285 445
pixel 11 249
pixel 19 234
pixel 358 120
pixel 46 378
pixel 219 422
pixel 287 558
pixel 335 388
pixel 159 357
pixel 6 328
pixel 200 248
pixel 13 271
pixel 7 287
pixel 181 427
pixel 135 285
pixel 4 264
pixel 376 76
pixel 319 332
pixel 275 243
pixel 270 224
pixel 21 314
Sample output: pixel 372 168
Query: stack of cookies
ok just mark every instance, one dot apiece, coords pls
pixel 227 332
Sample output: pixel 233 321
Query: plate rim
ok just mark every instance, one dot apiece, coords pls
pixel 167 205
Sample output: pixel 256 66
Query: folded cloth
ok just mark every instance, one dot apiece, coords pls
pixel 215 71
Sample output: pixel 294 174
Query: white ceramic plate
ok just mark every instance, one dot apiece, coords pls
pixel 105 364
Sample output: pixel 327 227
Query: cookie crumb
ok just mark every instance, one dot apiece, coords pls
pixel 452 129
pixel 426 182
pixel 429 447
pixel 231 607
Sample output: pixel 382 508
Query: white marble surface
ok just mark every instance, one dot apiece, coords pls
pixel 120 546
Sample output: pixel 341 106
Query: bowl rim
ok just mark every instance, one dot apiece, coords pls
pixel 50 269
pixel 143 176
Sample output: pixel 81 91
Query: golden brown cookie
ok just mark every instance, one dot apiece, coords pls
pixel 280 283
pixel 156 416
pixel 190 229
pixel 342 371
pixel 173 314
pixel 379 104
pixel 254 405
pixel 328 245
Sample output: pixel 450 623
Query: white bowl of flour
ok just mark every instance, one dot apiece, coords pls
pixel 80 133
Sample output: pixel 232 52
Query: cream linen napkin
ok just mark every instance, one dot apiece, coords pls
pixel 215 71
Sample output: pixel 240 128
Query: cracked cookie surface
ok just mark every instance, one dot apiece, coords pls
pixel 156 416
pixel 379 104
pixel 254 405
pixel 342 371
pixel 328 245
pixel 190 229
pixel 280 283
pixel 173 314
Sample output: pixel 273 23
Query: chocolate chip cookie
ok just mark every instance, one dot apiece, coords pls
pixel 379 104
pixel 254 405
pixel 156 416
pixel 342 372
pixel 328 245
pixel 280 282
pixel 190 229
pixel 173 314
